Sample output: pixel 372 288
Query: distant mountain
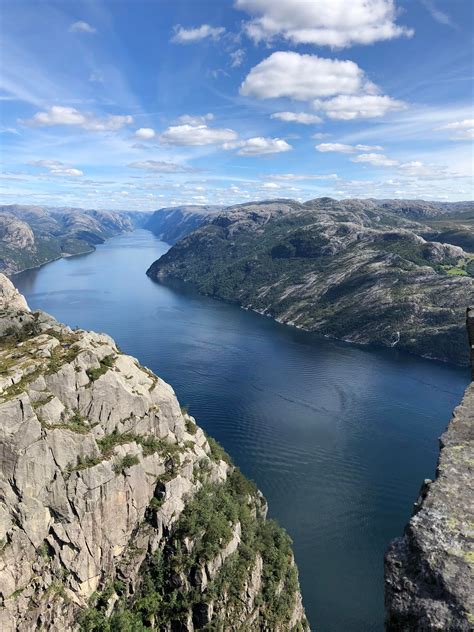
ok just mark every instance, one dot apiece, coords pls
pixel 174 223
pixel 387 272
pixel 33 235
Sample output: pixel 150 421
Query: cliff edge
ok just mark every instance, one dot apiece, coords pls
pixel 116 511
pixel 429 572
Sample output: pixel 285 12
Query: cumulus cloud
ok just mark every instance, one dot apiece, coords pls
pixel 346 149
pixel 145 133
pixel 59 115
pixel 297 117
pixel 160 166
pixel 461 130
pixel 335 23
pixel 82 27
pixel 259 146
pixel 195 120
pixel 189 36
pixel 197 135
pixel 378 160
pixel 57 168
pixel 304 77
pixel 349 107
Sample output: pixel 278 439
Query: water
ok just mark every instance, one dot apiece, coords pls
pixel 338 438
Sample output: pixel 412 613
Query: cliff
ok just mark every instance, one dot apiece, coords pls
pixel 429 572
pixel 388 273
pixel 116 511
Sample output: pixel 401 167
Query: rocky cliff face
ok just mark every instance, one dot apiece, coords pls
pixel 116 512
pixel 429 572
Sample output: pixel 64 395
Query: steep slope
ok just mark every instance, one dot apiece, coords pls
pixel 358 270
pixel 429 572
pixel 174 223
pixel 116 512
pixel 33 235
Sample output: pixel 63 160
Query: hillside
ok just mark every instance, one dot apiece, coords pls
pixel 389 273
pixel 33 235
pixel 117 512
pixel 174 223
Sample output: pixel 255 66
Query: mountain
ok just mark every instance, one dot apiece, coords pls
pixel 174 223
pixel 429 572
pixel 116 511
pixel 33 235
pixel 390 273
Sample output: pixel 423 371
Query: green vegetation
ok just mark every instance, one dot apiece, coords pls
pixel 208 521
pixel 127 461
pixel 105 364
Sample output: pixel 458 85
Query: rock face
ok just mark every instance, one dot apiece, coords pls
pixel 116 512
pixel 390 273
pixel 429 572
pixel 33 235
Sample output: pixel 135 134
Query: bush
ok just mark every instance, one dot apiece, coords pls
pixel 126 462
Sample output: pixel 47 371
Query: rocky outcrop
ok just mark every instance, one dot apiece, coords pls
pixel 363 271
pixel 429 572
pixel 116 511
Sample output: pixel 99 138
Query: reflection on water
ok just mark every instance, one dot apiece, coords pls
pixel 339 438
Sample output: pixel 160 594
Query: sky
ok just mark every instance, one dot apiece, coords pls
pixel 142 104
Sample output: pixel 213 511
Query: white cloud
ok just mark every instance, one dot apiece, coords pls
pixel 59 115
pixel 378 160
pixel 270 185
pixel 462 130
pixel 335 23
pixel 437 14
pixel 304 77
pixel 82 27
pixel 160 166
pixel 195 120
pixel 57 168
pixel 259 146
pixel 346 149
pixel 350 107
pixel 145 133
pixel 297 117
pixel 237 58
pixel 295 177
pixel 189 36
pixel 197 135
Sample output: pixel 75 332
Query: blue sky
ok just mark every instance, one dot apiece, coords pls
pixel 143 104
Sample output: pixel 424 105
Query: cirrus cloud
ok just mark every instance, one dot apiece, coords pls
pixel 346 149
pixel 335 23
pixel 160 166
pixel 377 160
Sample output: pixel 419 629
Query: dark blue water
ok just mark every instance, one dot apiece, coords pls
pixel 339 438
